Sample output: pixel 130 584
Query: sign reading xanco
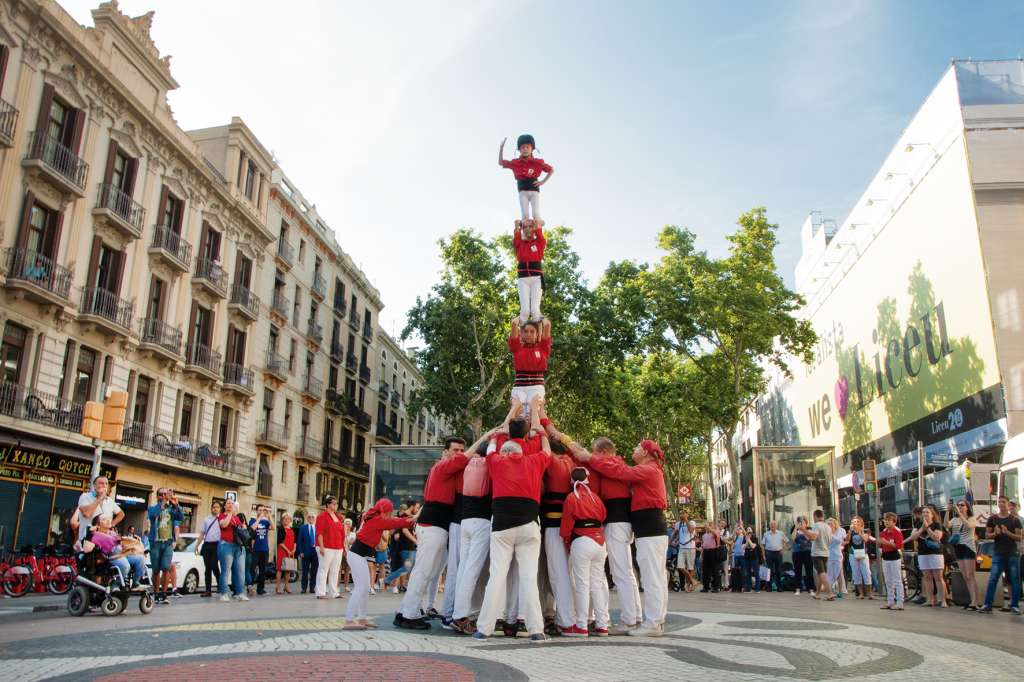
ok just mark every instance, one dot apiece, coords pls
pixel 14 455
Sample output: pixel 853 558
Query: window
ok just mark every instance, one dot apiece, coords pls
pixel 350 388
pixel 302 250
pixel 59 120
pixel 296 307
pixel 351 344
pixel 382 413
pixel 317 265
pixel 339 294
pixel 107 270
pixel 154 304
pixel 42 231
pixel 284 471
pixel 172 211
pixel 202 326
pixel 12 353
pixel 332 376
pixel 209 244
pixel 346 442
pixel 85 370
pixel 272 342
pixel 360 452
pixel 305 425
pixel 236 346
pixel 143 389
pixel 185 424
pixel 287 416
pixel 227 418
pixel 310 361
pixel 243 270
pixel 250 180
pixel 268 404
pixel 291 357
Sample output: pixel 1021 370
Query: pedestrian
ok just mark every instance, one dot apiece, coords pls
pixel 774 542
pixel 432 532
pixel 581 528
pixel 406 538
pixel 330 542
pixel 474 545
pixel 1004 529
pixel 890 541
pixel 98 501
pixel 209 538
pixel 962 526
pixel 929 536
pixel 835 558
pixel 377 581
pixel 230 554
pixel 647 517
pixel 725 549
pixel 306 546
pixel 753 557
pixel 527 170
pixel 820 535
pixel 285 553
pixel 858 541
pixel 376 521
pixel 710 541
pixel 165 519
pixel 261 525
pixel 686 558
pixel 803 565
pixel 350 537
pixel 737 576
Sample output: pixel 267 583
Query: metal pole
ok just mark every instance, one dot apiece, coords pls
pixel 920 474
pixel 97 459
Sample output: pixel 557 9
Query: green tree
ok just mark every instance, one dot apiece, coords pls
pixel 730 316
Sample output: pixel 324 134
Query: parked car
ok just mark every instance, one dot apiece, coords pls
pixel 187 563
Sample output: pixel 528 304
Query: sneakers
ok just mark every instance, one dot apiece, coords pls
pixel 448 623
pixel 538 638
pixel 985 609
pixel 521 630
pixel 432 614
pixel 480 637
pixel 1015 610
pixel 600 632
pixel 653 631
pixel 508 629
pixel 373 591
pixel 243 597
pixel 411 623
pixel 623 629
pixel 394 590
pixel 224 597
pixel 575 631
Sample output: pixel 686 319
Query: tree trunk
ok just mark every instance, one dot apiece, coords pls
pixel 734 472
pixel 711 477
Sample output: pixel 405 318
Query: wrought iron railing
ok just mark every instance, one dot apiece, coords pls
pixel 280 304
pixel 106 304
pixel 170 242
pixel 58 158
pixel 23 402
pixel 114 199
pixel 245 299
pixel 35 268
pixel 212 272
pixel 8 119
pixel 204 357
pixel 159 333
pixel 285 251
pixel 240 376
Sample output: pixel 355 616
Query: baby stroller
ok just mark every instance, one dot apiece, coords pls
pixel 99 584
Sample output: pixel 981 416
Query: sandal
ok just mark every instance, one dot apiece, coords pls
pixel 832 598
pixel 886 608
pixel 368 624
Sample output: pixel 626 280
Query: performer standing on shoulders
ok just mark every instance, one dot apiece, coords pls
pixel 529 242
pixel 530 345
pixel 527 170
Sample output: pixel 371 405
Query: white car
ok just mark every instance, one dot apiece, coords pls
pixel 188 565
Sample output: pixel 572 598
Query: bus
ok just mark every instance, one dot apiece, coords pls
pixel 1011 469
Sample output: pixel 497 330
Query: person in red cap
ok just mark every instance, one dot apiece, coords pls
pixel 581 529
pixel 527 170
pixel 376 520
pixel 432 531
pixel 647 517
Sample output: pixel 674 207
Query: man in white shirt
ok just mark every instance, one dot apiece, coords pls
pixel 94 504
pixel 774 541
pixel 686 558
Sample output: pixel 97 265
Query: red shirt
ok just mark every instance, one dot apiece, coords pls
pixel 443 481
pixel 228 534
pixel 648 482
pixel 369 532
pixel 331 530
pixel 527 168
pixel 529 250
pixel 475 481
pixel 517 475
pixel 583 505
pixel 894 536
pixel 610 488
pixel 530 444
pixel 531 358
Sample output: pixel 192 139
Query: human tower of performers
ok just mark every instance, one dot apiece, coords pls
pixel 526 517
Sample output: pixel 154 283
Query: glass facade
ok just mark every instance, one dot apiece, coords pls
pixel 399 472
pixel 782 483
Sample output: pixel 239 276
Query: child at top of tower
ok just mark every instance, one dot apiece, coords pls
pixel 527 169
pixel 530 345
pixel 529 242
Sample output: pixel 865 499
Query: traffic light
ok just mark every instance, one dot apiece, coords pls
pixel 92 418
pixel 113 416
pixel 870 476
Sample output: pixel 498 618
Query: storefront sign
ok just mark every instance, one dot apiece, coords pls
pixel 12 474
pixel 131 501
pixel 31 458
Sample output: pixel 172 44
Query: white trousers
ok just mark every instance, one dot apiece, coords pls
pixel 893 573
pixel 451 580
pixel 523 543
pixel 618 536
pixel 511 612
pixel 529 204
pixel 558 575
pixel 431 547
pixel 474 546
pixel 360 586
pixel 327 572
pixel 650 557
pixel 525 395
pixel 530 293
pixel 589 582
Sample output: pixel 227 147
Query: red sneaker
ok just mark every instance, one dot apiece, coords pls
pixel 574 631
pixel 600 632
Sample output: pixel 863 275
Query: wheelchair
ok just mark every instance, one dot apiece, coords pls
pixel 100 585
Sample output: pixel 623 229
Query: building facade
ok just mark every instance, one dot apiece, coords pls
pixel 399 379
pixel 917 301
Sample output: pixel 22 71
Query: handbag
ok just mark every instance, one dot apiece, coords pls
pixel 288 564
pixel 243 537
pixel 932 545
pixel 954 539
pixel 860 553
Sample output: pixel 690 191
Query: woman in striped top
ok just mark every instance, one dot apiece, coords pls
pixel 961 524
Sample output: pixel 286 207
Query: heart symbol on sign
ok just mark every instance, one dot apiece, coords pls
pixel 842 396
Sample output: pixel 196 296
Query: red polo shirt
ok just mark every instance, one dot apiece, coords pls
pixel 583 505
pixel 531 360
pixel 439 490
pixel 527 168
pixel 529 250
pixel 331 530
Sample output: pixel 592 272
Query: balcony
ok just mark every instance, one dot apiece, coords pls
pixel 337 352
pixel 302 493
pixel 421 421
pixel 203 361
pixel 119 211
pixel 340 307
pixel 351 363
pixel 335 402
pixel 22 402
pixel 356 415
pixel 8 119
pixel 367 332
pixel 310 449
pixel 103 310
pixel 331 457
pixel 169 247
pixel 210 275
pixel 312 387
pixel 285 254
pixel 244 303
pixel 315 332
pixel 239 379
pixel 388 434
pixel 319 288
pixel 56 163
pixel 280 306
pixel 222 462
pixel 272 435
pixel 364 373
pixel 265 484
pixel 37 277
pixel 276 365
pixel 353 320
pixel 396 399
pixel 160 338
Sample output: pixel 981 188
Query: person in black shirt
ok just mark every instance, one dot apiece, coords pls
pixel 753 556
pixel 1004 529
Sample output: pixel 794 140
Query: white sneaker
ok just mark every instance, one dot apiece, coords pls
pixel 348 588
pixel 373 591
pixel 225 597
pixel 653 631
pixel 243 597
pixel 797 593
pixel 394 589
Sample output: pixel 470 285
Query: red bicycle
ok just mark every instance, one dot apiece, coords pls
pixel 21 571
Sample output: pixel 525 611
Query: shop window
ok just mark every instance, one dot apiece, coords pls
pixel 85 371
pixel 12 353
pixel 10 497
pixel 65 502
pixel 35 515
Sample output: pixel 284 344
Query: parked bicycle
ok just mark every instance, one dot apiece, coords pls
pixel 22 571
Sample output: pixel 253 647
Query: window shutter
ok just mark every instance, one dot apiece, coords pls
pixel 161 303
pixel 94 260
pixel 239 347
pixel 130 172
pixel 5 53
pixel 117 273
pixel 204 235
pixel 45 103
pixel 190 333
pixel 108 174
pixel 53 240
pixel 76 132
pixel 162 207
pixel 26 216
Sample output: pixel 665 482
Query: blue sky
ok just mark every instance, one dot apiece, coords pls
pixel 388 117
